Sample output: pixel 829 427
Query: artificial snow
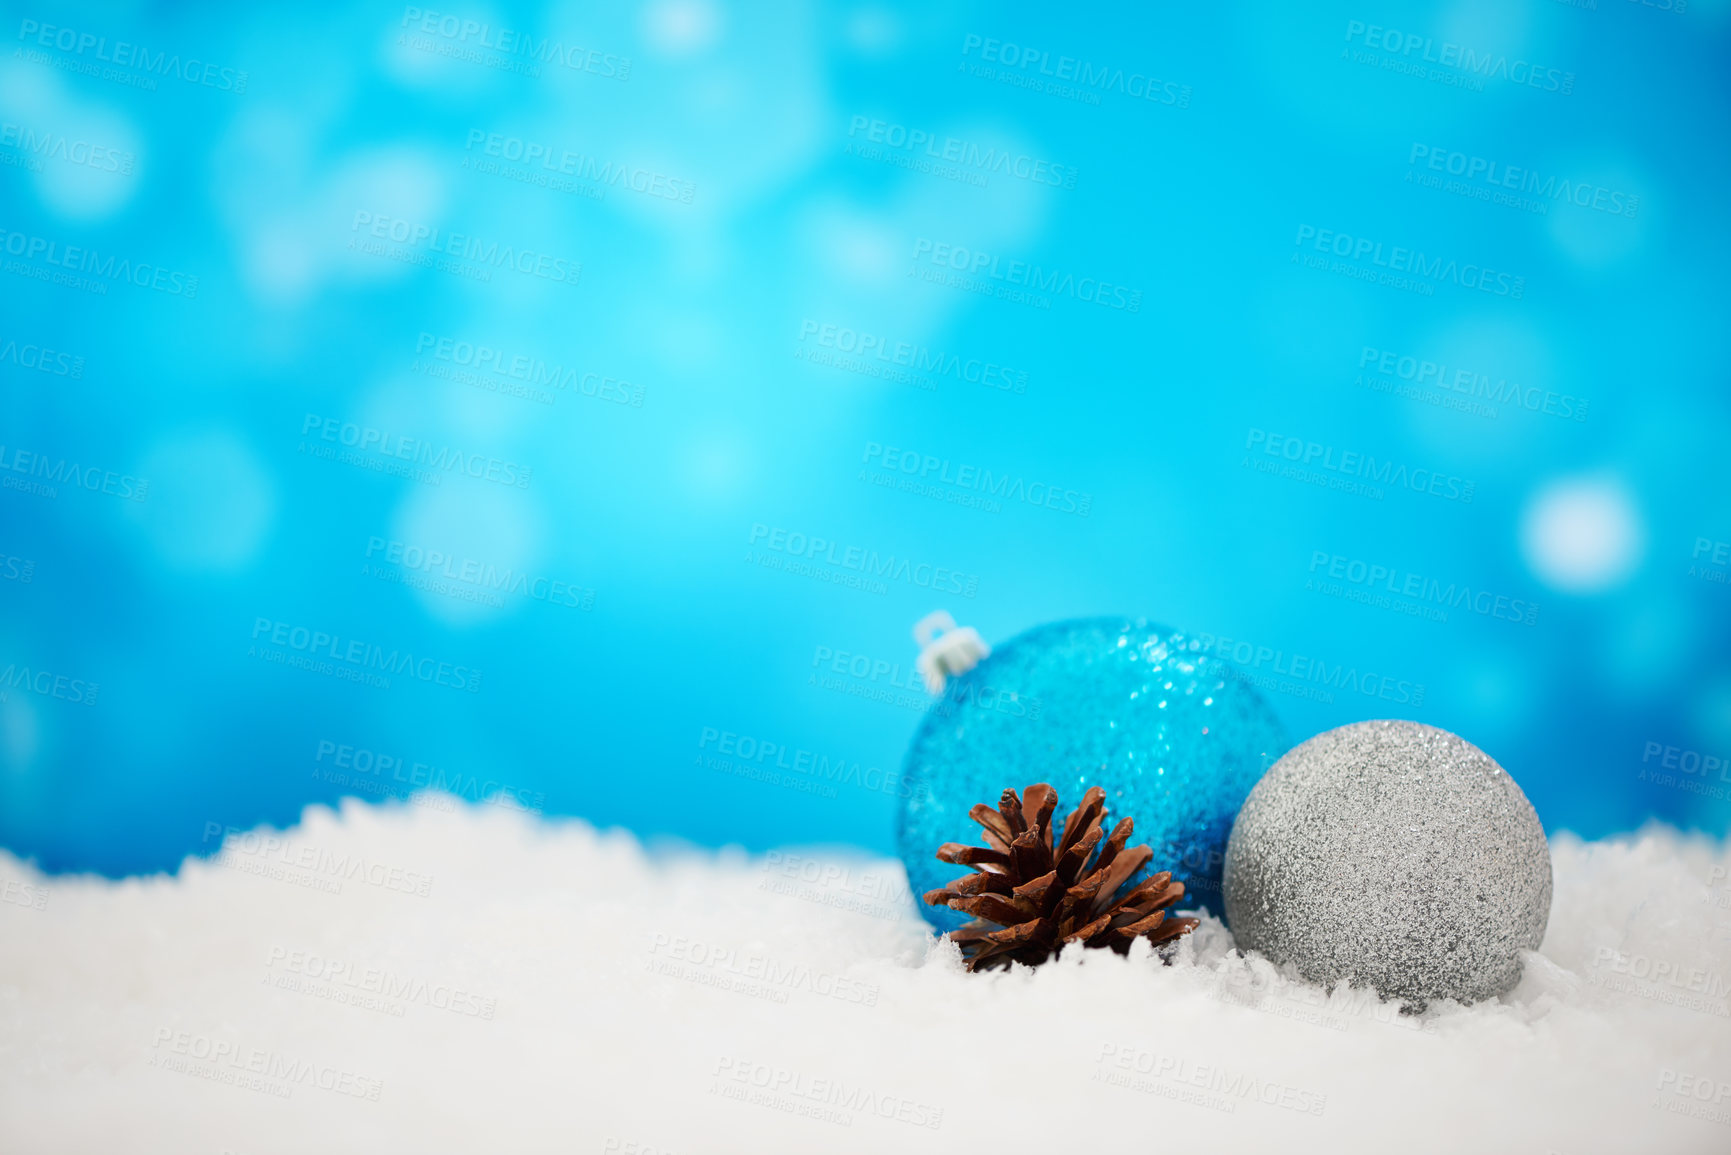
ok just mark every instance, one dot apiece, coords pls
pixel 436 977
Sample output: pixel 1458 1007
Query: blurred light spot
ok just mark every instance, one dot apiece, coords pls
pixel 715 468
pixel 692 344
pixel 1498 690
pixel 1600 201
pixel 874 31
pixel 210 504
pixel 1489 24
pixel 82 155
pixel 265 160
pixel 466 550
pixel 1582 535
pixel 1592 238
pixel 856 247
pixel 100 183
pixel 436 60
pixel 20 733
pixel 393 184
pixel 681 27
pixel 1645 646
pixel 1710 713
pixel 280 262
pixel 1487 365
pixel 292 242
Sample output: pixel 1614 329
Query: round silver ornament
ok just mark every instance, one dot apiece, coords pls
pixel 1394 854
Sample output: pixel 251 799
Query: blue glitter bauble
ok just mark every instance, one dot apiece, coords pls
pixel 1172 736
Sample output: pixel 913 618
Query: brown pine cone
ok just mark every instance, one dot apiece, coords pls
pixel 1030 898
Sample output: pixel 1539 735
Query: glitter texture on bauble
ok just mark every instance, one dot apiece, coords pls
pixel 1168 731
pixel 1393 854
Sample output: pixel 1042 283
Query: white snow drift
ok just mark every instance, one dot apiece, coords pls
pixel 436 977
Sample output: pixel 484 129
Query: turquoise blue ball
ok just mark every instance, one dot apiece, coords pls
pixel 1175 739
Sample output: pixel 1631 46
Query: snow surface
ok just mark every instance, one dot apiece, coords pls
pixel 472 979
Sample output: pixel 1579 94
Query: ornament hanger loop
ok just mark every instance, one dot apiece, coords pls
pixel 946 649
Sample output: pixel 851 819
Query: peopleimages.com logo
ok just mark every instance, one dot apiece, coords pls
pixel 121 54
pixel 1410 263
pixel 59 471
pixel 1376 579
pixel 1251 660
pixel 985 160
pixel 1470 383
pixel 862 562
pixel 42 359
pixel 465 35
pixel 554 161
pixel 990 269
pixel 1502 178
pixel 442 568
pixel 533 372
pixel 870 347
pixel 418 237
pixel 86 263
pixel 395 446
pixel 48 684
pixel 254 1068
pixel 1071 76
pixel 1461 60
pixel 1352 464
pixel 750 756
pixel 930 470
pixel 362 656
pixel 43 144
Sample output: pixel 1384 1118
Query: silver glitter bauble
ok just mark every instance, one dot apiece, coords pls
pixel 1393 854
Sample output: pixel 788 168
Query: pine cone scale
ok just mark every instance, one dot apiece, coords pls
pixel 996 908
pixel 1084 819
pixel 1030 896
pixel 1038 802
pixel 1030 858
pixel 1086 934
pixel 1115 843
pixel 1173 928
pixel 1141 926
pixel 1120 871
pixel 959 855
pixel 1036 889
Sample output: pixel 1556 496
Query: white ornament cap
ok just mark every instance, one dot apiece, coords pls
pixel 946 649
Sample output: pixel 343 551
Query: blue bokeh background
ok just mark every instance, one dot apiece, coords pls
pixel 698 421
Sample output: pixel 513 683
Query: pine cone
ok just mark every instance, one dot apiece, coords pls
pixel 1043 898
